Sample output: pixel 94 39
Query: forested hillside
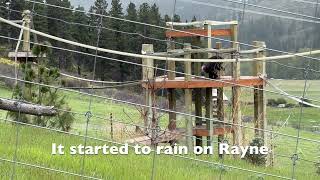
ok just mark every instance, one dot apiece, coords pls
pixel 278 33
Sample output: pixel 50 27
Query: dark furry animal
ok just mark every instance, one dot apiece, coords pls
pixel 213 68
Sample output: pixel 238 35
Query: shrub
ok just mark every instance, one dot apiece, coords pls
pixel 291 105
pixel 272 102
pixel 318 168
pixel 306 100
pixel 68 82
pixel 281 101
pixel 257 159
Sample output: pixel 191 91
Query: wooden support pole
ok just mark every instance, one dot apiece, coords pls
pixel 147 75
pixel 208 103
pixel 171 92
pixel 188 99
pixel 236 111
pixel 259 69
pixel 198 95
pixel 26 33
pixel 220 103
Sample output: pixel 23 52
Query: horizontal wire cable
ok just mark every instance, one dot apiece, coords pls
pixel 174 155
pixel 274 9
pixel 128 123
pixel 102 27
pixel 250 11
pixel 161 109
pixel 47 168
pixel 166 28
pixel 305 2
pixel 105 87
pixel 107 82
pixel 166 70
pixel 302 159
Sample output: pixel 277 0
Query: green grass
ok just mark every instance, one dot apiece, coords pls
pixel 35 144
pixel 35 148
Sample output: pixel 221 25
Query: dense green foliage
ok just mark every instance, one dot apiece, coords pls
pixel 257 159
pixel 109 35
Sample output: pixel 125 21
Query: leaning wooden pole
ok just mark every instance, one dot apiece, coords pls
pixel 188 99
pixel 147 75
pixel 236 112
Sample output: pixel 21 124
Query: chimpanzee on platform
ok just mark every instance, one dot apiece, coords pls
pixel 213 68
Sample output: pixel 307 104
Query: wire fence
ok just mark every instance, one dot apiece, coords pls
pixel 89 115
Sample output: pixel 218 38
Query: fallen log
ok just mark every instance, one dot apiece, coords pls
pixel 26 108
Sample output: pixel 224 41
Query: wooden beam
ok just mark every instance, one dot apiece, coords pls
pixel 225 81
pixel 197 33
pixel 203 131
pixel 27 108
pixel 188 98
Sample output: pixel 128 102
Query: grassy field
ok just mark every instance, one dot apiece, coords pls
pixel 35 144
pixel 35 148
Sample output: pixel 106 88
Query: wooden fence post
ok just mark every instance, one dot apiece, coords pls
pixel 171 92
pixel 26 33
pixel 208 102
pixel 259 69
pixel 236 111
pixel 147 75
pixel 188 99
pixel 220 103
pixel 198 94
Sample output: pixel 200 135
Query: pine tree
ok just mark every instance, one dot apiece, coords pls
pixel 117 41
pixel 155 19
pixel 63 59
pixel 80 34
pixel 100 8
pixel 143 16
pixel 42 95
pixel 131 40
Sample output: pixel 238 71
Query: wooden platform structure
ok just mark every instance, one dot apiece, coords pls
pixel 209 124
